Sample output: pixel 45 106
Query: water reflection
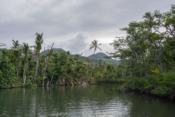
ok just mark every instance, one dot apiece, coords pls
pixel 93 101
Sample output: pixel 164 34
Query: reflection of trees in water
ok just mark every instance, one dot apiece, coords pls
pixel 93 100
pixel 37 102
pixel 145 106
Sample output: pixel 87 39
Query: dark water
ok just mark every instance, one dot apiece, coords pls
pixel 93 101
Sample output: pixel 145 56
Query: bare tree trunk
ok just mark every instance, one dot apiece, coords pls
pixel 37 66
pixel 47 62
pixel 45 70
pixel 24 74
pixel 18 69
pixel 51 80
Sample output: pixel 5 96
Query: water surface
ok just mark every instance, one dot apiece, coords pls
pixel 92 101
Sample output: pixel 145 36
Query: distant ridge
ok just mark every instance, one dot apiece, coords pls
pixel 102 57
pixel 55 50
pixel 94 58
pixel 99 55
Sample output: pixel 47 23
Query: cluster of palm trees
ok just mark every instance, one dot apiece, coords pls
pixel 23 52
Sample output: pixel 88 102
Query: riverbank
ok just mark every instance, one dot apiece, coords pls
pixel 162 86
pixel 82 82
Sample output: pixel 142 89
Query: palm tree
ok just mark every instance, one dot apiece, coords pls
pixel 47 58
pixel 95 45
pixel 17 53
pixel 25 65
pixel 38 46
pixel 15 43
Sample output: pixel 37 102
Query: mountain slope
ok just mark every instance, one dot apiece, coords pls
pixel 94 58
pixel 55 50
pixel 102 57
pixel 99 55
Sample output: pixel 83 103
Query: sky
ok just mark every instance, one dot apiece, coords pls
pixel 72 24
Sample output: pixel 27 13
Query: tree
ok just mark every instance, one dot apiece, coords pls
pixel 25 61
pixel 46 62
pixel 95 45
pixel 16 55
pixel 149 44
pixel 7 70
pixel 38 47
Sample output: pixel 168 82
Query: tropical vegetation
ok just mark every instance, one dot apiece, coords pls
pixel 144 60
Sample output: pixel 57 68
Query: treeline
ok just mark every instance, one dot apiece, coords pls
pixel 147 53
pixel 149 46
pixel 28 65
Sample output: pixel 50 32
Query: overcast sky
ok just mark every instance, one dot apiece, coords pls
pixel 71 24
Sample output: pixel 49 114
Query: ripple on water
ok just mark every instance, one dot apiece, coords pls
pixel 93 101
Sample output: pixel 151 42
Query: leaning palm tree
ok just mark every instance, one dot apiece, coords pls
pixel 25 64
pixel 95 45
pixel 15 44
pixel 38 46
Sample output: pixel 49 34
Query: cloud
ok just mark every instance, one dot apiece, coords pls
pixel 74 22
pixel 75 44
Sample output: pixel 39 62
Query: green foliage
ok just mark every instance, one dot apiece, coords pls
pixel 164 85
pixel 7 71
pixel 148 47
pixel 146 55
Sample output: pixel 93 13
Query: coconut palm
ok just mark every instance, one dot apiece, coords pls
pixel 16 54
pixel 47 58
pixel 95 45
pixel 25 64
pixel 15 44
pixel 38 47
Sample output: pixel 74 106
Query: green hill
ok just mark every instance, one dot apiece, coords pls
pixel 95 58
pixel 55 50
pixel 102 57
pixel 99 55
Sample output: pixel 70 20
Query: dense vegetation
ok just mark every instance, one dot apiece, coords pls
pixel 146 60
pixel 24 65
pixel 147 54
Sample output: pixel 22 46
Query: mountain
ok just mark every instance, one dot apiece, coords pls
pixel 95 58
pixel 99 55
pixel 55 50
pixel 102 57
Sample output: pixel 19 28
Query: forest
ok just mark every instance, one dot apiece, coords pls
pixel 145 60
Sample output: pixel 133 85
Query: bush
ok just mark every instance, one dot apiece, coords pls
pixel 161 85
pixel 161 91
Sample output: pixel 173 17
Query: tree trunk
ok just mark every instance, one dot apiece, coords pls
pixel 24 74
pixel 45 70
pixel 37 66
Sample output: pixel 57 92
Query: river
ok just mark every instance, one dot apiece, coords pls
pixel 92 101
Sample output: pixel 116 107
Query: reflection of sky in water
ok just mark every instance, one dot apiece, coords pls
pixel 88 108
pixel 113 108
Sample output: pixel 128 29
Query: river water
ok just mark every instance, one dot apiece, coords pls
pixel 92 101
